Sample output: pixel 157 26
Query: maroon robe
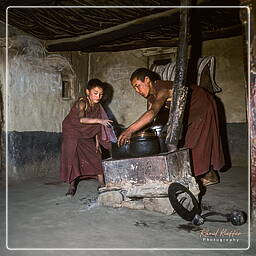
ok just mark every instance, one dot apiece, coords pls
pixel 78 150
pixel 201 128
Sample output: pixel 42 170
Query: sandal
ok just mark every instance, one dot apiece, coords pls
pixel 100 187
pixel 71 192
pixel 209 182
pixel 210 178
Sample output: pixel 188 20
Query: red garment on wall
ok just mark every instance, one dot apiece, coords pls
pixel 78 150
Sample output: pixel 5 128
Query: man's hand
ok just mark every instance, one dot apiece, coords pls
pixel 124 137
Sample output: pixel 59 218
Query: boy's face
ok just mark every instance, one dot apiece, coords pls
pixel 141 87
pixel 95 94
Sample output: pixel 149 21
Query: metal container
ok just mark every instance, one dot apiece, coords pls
pixel 120 152
pixel 158 129
pixel 144 144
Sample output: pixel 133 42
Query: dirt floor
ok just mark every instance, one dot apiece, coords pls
pixel 42 221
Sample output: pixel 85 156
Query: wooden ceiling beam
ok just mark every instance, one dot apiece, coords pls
pixel 168 42
pixel 222 33
pixel 113 33
pixel 104 36
pixel 133 45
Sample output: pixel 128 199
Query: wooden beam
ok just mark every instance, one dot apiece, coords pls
pixel 222 33
pixel 113 33
pixel 164 42
pixel 143 24
pixel 174 125
pixel 138 44
pixel 252 94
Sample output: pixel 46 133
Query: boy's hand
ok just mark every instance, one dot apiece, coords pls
pixel 106 122
pixel 98 149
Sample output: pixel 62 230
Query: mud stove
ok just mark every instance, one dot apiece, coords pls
pixel 142 182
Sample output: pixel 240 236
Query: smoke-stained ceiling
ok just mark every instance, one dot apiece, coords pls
pixel 90 25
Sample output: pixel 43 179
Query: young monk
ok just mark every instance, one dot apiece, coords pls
pixel 201 125
pixel 84 129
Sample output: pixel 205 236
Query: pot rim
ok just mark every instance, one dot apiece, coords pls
pixel 141 138
pixel 144 134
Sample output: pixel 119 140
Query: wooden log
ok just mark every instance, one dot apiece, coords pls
pixel 251 41
pixel 180 90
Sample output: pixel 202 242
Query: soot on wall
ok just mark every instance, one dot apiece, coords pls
pixel 33 154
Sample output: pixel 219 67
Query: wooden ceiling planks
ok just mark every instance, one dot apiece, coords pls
pixel 70 24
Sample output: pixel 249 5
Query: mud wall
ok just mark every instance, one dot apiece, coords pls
pixel 116 68
pixel 35 106
pixel 34 113
pixel 231 101
pixel 229 76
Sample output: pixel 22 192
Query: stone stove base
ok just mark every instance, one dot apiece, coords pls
pixel 143 182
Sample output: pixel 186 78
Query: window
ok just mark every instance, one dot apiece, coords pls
pixel 66 92
pixel 68 83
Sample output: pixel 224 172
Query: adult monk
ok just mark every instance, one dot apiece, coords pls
pixel 84 129
pixel 200 125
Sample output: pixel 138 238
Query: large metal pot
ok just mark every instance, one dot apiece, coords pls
pixel 144 144
pixel 120 152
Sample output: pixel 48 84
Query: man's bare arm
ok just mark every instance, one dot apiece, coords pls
pixel 145 118
pixel 151 113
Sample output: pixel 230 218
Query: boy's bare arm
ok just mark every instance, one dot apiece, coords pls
pixel 85 120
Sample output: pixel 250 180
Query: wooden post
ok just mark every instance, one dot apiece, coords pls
pixel 180 90
pixel 252 93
